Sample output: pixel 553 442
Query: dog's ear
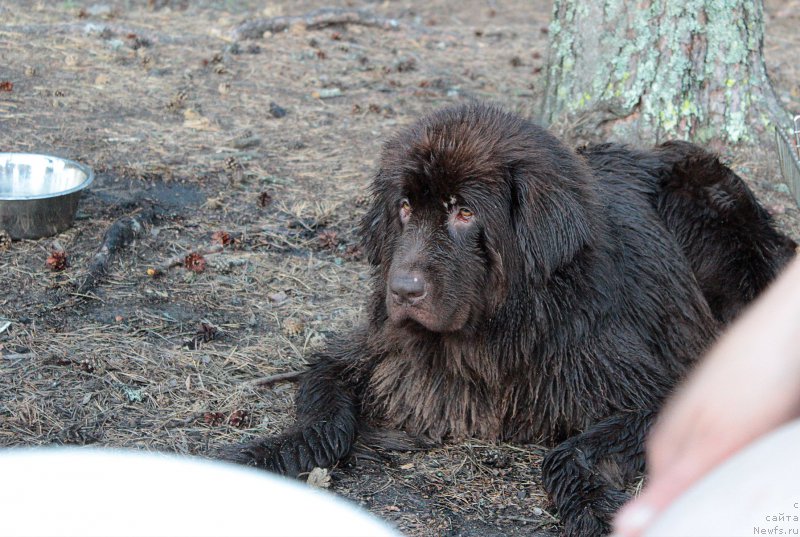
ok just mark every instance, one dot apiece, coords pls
pixel 552 212
pixel 378 223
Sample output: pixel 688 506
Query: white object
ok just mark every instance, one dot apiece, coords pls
pixel 755 492
pixel 93 492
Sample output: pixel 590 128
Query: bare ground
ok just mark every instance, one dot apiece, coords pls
pixel 172 112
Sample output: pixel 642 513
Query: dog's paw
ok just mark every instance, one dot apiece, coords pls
pixel 257 453
pixel 586 524
pixel 236 453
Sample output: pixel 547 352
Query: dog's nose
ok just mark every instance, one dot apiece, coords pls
pixel 408 287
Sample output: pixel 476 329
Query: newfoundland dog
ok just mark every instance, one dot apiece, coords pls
pixel 526 292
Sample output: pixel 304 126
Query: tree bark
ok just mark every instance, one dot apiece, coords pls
pixel 659 69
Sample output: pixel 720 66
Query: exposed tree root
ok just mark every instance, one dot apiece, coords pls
pixel 121 233
pixel 319 18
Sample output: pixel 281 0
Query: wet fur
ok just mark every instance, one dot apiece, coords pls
pixel 587 285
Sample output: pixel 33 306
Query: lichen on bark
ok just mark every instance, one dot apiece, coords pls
pixel 660 69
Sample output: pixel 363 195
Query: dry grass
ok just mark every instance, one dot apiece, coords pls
pixel 164 107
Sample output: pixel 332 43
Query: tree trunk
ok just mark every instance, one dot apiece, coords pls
pixel 658 69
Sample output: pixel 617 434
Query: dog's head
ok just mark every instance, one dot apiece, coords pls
pixel 471 205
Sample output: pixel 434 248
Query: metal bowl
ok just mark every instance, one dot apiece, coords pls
pixel 39 193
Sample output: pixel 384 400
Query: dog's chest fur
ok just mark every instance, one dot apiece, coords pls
pixel 447 392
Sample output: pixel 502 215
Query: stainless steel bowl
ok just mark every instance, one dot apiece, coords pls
pixel 39 193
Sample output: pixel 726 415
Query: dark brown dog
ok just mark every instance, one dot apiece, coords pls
pixel 525 292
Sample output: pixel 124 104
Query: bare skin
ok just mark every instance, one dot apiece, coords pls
pixel 748 385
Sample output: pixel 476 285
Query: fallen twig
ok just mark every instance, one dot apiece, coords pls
pixel 179 260
pixel 101 29
pixel 89 297
pixel 319 18
pixel 265 382
pixel 121 233
pixel 178 422
pixel 17 355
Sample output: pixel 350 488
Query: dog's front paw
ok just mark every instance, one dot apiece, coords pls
pixel 592 518
pixel 586 524
pixel 289 455
pixel 258 453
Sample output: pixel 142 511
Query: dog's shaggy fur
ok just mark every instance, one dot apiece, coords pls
pixel 526 292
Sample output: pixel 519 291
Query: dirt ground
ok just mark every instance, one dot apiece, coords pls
pixel 273 141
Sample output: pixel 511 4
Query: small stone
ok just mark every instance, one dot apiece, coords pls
pixel 276 110
pixel 278 297
pixel 783 188
pixel 329 93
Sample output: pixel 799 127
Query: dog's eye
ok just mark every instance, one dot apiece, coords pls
pixel 405 210
pixel 464 214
